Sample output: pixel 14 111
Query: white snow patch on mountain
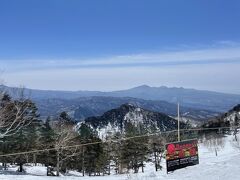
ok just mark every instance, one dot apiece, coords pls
pixel 134 117
pixel 108 130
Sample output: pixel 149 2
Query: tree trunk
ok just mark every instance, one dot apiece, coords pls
pixel 120 168
pixel 155 158
pixel 35 159
pixel 21 167
pixel 159 163
pixel 135 169
pixel 83 167
pixel 58 163
pixel 109 167
pixel 235 134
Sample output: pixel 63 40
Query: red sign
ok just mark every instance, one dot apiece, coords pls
pixel 181 154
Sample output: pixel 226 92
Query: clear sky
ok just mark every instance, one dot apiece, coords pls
pixel 109 44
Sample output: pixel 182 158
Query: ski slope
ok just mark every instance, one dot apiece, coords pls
pixel 224 166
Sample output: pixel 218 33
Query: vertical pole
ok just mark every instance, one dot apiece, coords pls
pixel 58 163
pixel 83 161
pixel 178 124
pixel 155 157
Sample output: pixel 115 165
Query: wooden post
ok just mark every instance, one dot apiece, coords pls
pixel 178 124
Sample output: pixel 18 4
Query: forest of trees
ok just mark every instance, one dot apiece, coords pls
pixel 58 144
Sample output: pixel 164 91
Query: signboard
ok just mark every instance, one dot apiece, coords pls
pixel 181 154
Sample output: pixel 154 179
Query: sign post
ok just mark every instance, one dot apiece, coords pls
pixel 181 154
pixel 178 124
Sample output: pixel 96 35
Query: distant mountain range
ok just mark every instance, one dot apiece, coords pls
pixel 196 104
pixel 128 118
pixel 81 108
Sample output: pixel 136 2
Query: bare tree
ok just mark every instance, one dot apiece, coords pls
pixel 157 146
pixel 214 142
pixel 15 114
pixel 236 143
pixel 65 135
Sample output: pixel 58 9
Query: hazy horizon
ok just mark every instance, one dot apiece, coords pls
pixel 188 88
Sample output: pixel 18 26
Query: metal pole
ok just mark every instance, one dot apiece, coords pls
pixel 178 124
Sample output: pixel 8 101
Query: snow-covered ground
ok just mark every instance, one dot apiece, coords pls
pixel 224 166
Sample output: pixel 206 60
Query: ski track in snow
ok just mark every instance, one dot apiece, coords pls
pixel 225 166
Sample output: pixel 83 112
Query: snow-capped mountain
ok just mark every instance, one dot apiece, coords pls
pixel 230 118
pixel 129 117
pixel 233 116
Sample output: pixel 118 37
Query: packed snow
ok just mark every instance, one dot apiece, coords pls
pixel 223 166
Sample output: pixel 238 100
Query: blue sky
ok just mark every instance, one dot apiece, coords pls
pixel 108 44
